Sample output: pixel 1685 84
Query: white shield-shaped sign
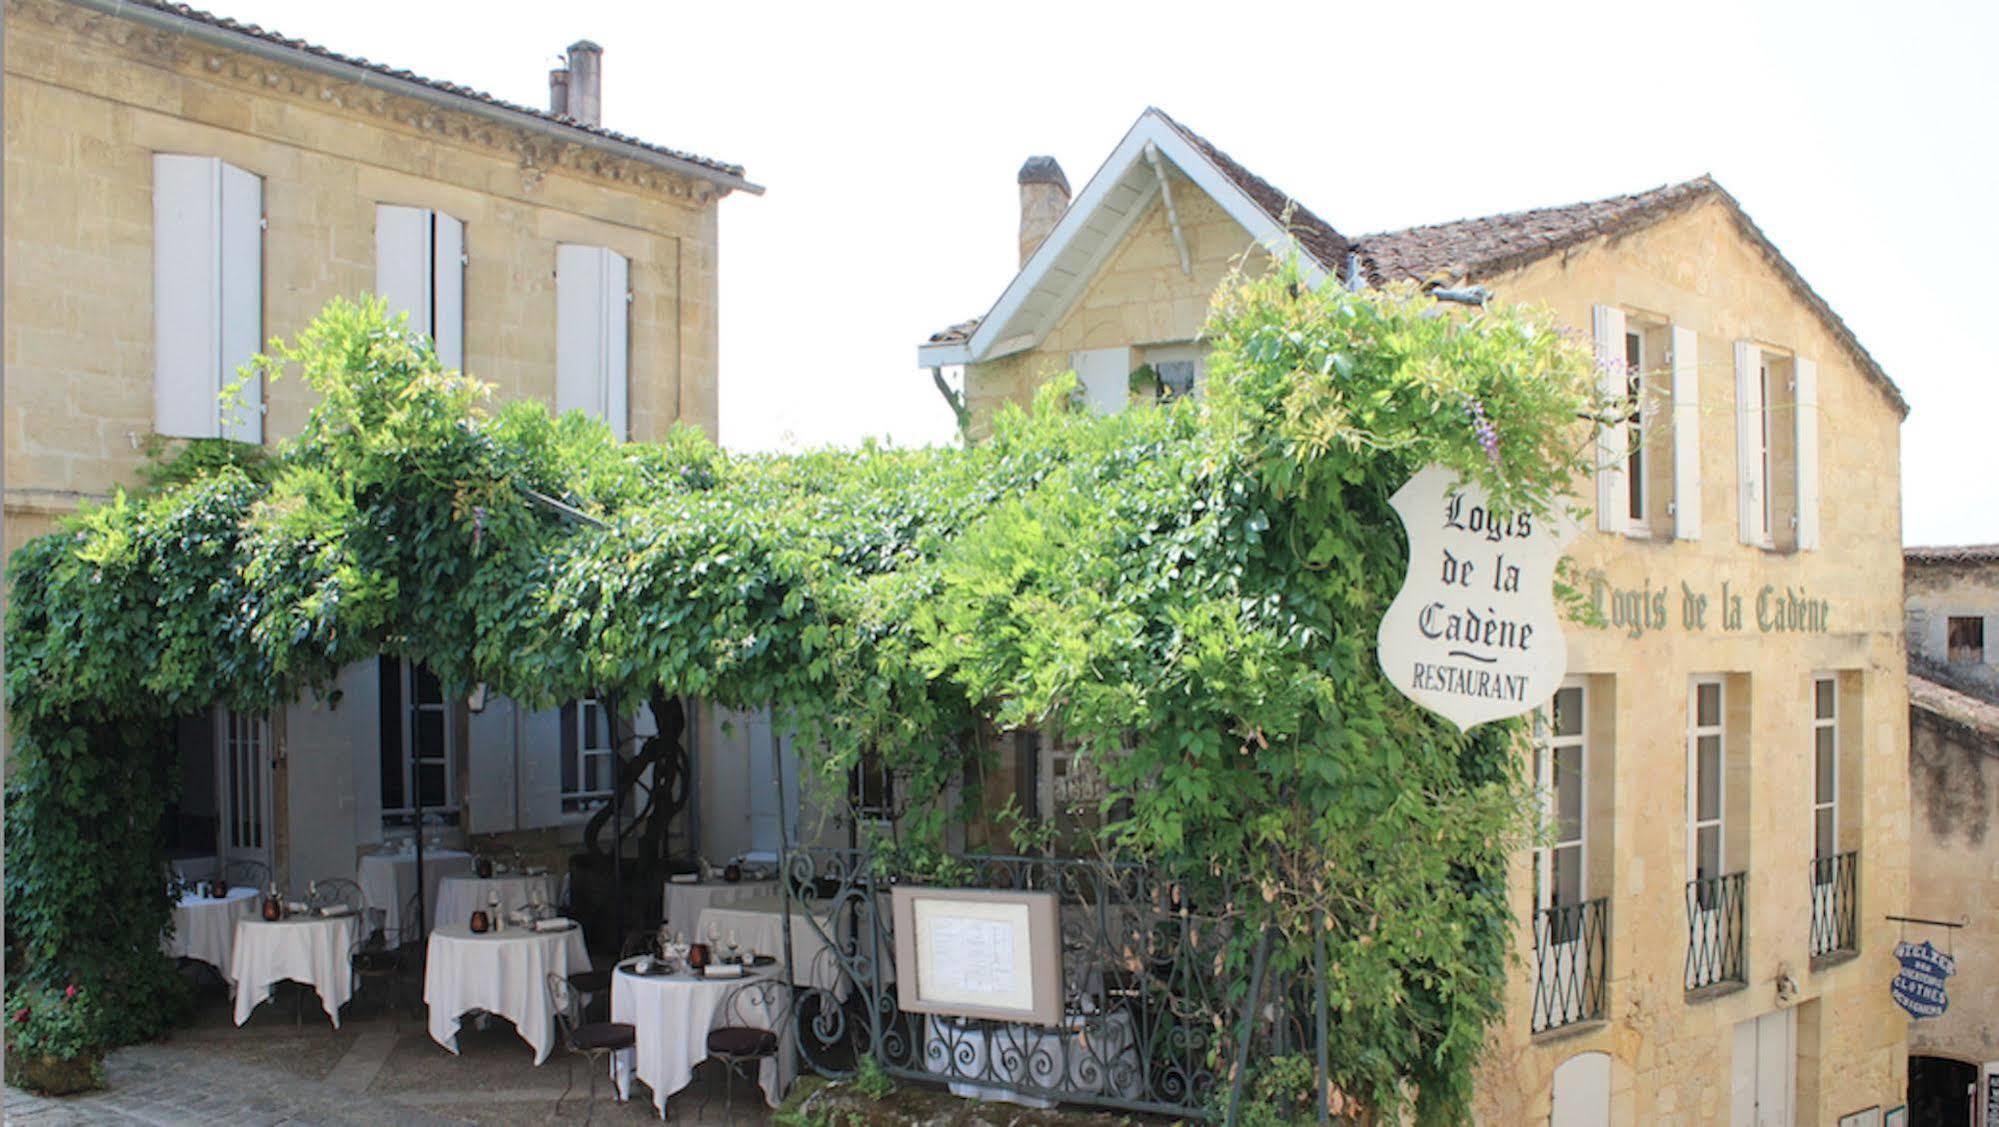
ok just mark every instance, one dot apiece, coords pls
pixel 1474 635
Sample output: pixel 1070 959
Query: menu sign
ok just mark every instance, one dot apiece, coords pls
pixel 1474 635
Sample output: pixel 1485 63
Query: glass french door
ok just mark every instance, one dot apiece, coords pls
pixel 243 768
pixel 1706 761
pixel 1561 776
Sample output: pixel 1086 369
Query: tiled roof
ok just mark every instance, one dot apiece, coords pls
pixel 1471 249
pixel 956 334
pixel 1318 237
pixel 1976 713
pixel 1952 554
pixel 253 31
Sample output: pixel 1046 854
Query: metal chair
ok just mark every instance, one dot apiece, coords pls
pixel 595 985
pixel 387 954
pixel 595 1041
pixel 744 1030
pixel 247 874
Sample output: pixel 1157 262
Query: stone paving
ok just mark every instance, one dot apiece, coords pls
pixel 377 1069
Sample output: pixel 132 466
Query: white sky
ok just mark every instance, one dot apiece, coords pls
pixel 1859 136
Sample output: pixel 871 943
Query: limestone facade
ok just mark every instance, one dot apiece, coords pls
pixel 1952 603
pixel 1776 622
pixel 90 98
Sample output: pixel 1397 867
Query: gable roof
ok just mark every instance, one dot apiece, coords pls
pixel 1470 250
pixel 222 31
pixel 1115 198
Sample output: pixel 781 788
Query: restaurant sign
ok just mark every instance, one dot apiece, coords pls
pixel 1919 987
pixel 1473 635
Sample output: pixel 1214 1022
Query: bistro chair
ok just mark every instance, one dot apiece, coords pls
pixel 337 891
pixel 596 1041
pixel 744 1032
pixel 247 874
pixel 595 985
pixel 385 954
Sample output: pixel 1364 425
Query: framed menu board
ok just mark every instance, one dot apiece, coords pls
pixel 973 952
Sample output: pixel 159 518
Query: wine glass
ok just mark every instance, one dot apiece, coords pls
pixel 733 945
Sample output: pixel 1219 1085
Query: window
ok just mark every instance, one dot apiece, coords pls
pixel 420 270
pixel 1103 375
pixel 1706 764
pixel 1178 369
pixel 1825 768
pixel 592 355
pixel 1561 782
pixel 1648 480
pixel 1776 448
pixel 1964 639
pixel 208 296
pixel 416 742
pixel 588 757
pixel 1634 472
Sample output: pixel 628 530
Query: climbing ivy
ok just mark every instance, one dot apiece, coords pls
pixel 1190 589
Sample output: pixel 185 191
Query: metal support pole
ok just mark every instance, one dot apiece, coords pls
pixel 614 718
pixel 1248 1023
pixel 1319 1020
pixel 786 890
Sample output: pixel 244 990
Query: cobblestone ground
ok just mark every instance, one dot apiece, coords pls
pixel 279 1069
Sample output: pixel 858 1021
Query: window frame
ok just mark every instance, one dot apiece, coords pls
pixel 1950 651
pixel 1696 731
pixel 407 708
pixel 578 749
pixel 1822 805
pixel 1638 490
pixel 1548 745
pixel 1194 354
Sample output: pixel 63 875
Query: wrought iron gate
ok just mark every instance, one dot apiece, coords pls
pixel 1143 1004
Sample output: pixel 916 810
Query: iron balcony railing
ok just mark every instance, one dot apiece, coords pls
pixel 1569 963
pixel 1714 930
pixel 1835 904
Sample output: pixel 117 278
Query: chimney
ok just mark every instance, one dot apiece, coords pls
pixel 586 82
pixel 558 91
pixel 1044 196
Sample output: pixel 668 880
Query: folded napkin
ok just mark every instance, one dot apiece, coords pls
pixel 297 906
pixel 559 923
pixel 723 970
pixel 337 910
pixel 684 878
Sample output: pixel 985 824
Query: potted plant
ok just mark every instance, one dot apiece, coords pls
pixel 55 1040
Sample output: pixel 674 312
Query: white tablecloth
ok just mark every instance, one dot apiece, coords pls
pixel 460 896
pixel 1101 1057
pixel 388 880
pixel 308 949
pixel 758 926
pixel 672 1015
pixel 684 903
pixel 205 927
pixel 504 973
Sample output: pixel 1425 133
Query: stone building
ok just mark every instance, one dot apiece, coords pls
pixel 1725 771
pixel 182 188
pixel 1952 597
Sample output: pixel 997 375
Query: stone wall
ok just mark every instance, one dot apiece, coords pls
pixel 1954 843
pixel 1937 592
pixel 90 99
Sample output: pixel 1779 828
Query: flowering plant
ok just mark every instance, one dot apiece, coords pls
pixel 59 1024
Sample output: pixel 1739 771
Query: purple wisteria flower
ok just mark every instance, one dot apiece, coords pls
pixel 1488 435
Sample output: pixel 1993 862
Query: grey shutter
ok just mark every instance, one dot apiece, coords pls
pixel 1749 483
pixel 492 760
pixel 591 337
pixel 187 298
pixel 447 268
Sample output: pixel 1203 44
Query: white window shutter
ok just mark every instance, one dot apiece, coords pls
pixel 1686 434
pixel 447 272
pixel 1748 443
pixel 402 262
pixel 591 370
pixel 1613 450
pixel 1105 374
pixel 541 768
pixel 1807 411
pixel 492 758
pixel 616 376
pixel 187 294
pixel 242 330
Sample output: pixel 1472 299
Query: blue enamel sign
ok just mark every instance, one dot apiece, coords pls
pixel 1919 987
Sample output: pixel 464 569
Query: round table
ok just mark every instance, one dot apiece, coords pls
pixel 758 925
pixel 500 972
pixel 684 902
pixel 308 949
pixel 672 1014
pixel 388 880
pixel 460 896
pixel 205 926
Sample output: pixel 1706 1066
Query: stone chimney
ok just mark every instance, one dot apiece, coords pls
pixel 558 90
pixel 1044 197
pixel 586 82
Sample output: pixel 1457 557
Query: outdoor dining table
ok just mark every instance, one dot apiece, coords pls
pixel 205 926
pixel 460 896
pixel 308 949
pixel 685 901
pixel 758 926
pixel 672 1014
pixel 499 972
pixel 388 880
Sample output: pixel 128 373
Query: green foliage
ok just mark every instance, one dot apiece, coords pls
pixel 1191 589
pixel 64 1024
pixel 871 1079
